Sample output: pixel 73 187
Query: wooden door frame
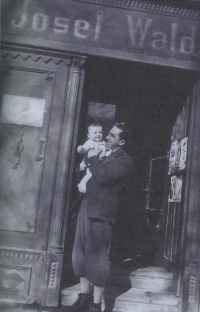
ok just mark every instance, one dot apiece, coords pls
pixel 47 263
pixel 169 263
pixel 63 180
pixel 189 268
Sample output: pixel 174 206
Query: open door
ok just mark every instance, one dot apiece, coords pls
pixel 179 190
pixel 175 200
pixel 40 104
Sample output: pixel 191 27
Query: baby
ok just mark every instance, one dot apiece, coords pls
pixel 94 142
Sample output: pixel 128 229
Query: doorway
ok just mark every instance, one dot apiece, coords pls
pixel 148 98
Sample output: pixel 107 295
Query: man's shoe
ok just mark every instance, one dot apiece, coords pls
pixel 82 303
pixel 94 307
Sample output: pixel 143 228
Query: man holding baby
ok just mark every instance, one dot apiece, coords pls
pixel 107 167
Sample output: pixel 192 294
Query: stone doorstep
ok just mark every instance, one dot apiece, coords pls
pixel 149 283
pixel 149 293
pixel 151 278
pixel 142 307
pixel 18 309
pixel 134 295
pixel 155 272
pixel 27 308
pixel 137 300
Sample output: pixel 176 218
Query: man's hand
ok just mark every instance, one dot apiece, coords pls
pixel 83 165
pixel 82 187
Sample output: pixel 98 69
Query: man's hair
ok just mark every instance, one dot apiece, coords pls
pixel 125 132
pixel 94 124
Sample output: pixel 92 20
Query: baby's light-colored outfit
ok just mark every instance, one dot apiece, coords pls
pixel 90 144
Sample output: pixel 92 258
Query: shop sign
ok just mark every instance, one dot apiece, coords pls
pixel 103 27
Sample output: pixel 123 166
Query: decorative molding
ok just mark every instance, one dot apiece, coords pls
pixel 75 78
pixel 15 279
pixel 192 287
pixel 53 274
pixel 148 7
pixel 25 56
pixel 51 280
pixel 77 64
pixel 24 255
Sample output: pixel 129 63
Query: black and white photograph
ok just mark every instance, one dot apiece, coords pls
pixel 100 156
pixel 178 155
pixel 176 188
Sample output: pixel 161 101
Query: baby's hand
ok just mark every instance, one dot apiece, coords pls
pixel 82 149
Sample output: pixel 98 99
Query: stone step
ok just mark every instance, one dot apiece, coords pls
pixel 151 278
pixel 154 272
pixel 142 307
pixel 139 300
pixel 119 299
pixel 149 293
pixel 142 296
pixel 69 295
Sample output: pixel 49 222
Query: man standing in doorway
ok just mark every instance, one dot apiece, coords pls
pixel 97 213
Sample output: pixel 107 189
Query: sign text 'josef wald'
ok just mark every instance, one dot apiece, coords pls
pixel 106 27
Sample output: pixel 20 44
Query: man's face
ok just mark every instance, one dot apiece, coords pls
pixel 95 133
pixel 113 138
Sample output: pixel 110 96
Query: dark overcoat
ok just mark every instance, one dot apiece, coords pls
pixel 103 189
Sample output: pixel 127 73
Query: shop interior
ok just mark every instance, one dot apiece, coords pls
pixel 148 98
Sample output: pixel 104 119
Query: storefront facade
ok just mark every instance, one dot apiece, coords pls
pixel 44 50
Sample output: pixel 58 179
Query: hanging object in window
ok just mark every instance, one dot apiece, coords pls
pixel 178 155
pixel 175 188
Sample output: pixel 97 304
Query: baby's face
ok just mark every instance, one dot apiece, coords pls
pixel 95 133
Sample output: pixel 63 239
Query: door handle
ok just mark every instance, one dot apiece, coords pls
pixel 19 148
pixel 41 149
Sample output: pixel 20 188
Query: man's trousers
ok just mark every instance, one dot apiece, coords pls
pixel 90 256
